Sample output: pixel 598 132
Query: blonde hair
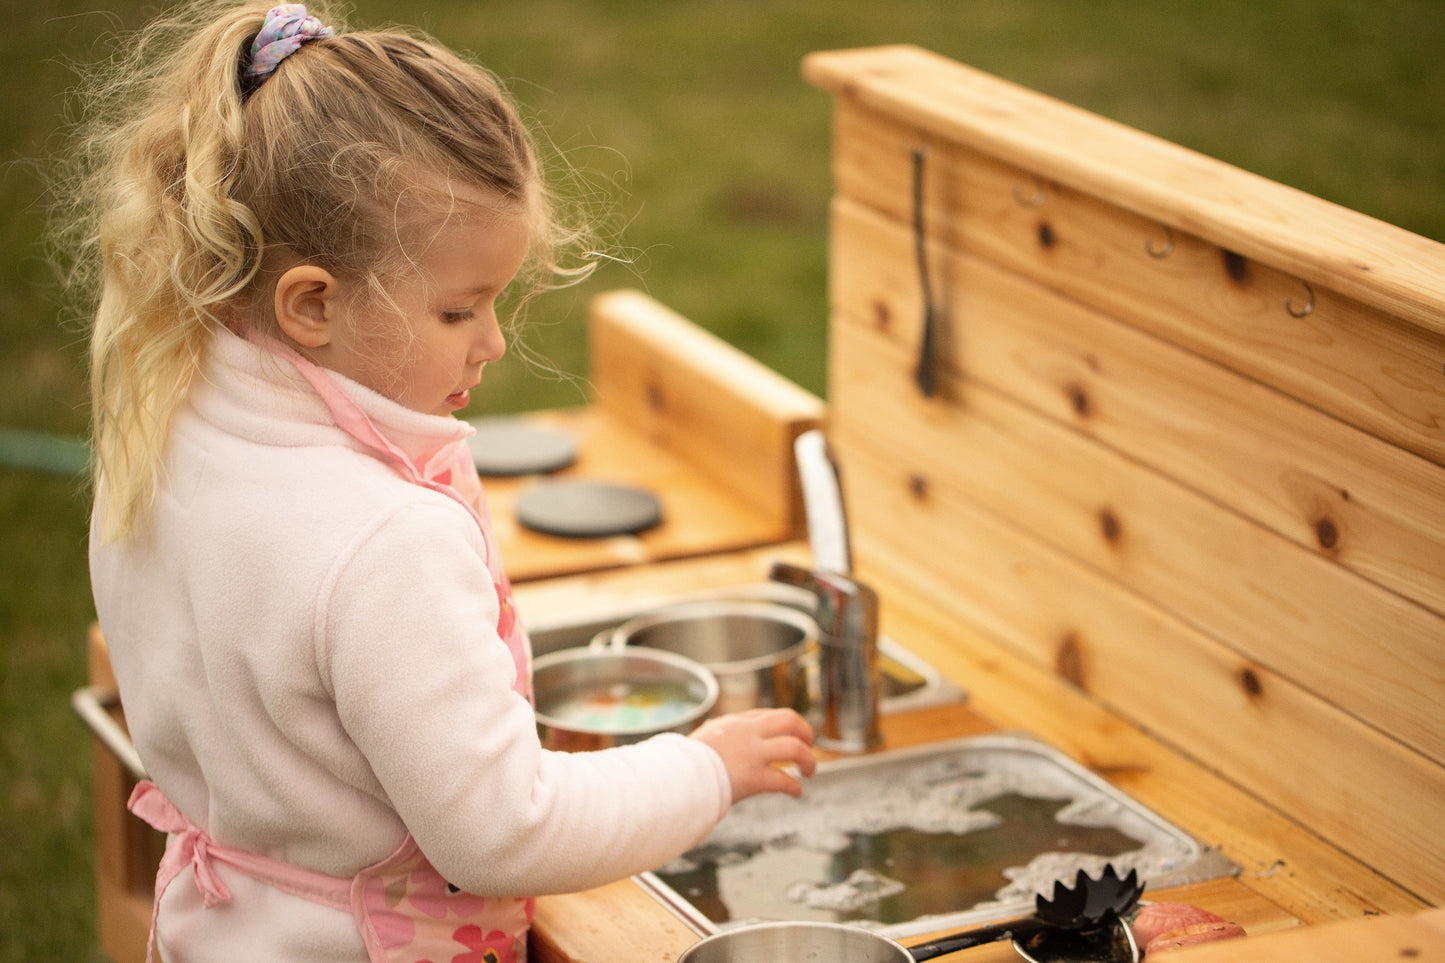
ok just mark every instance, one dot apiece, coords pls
pixel 193 195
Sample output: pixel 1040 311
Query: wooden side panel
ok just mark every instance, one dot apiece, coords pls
pixel 1372 653
pixel 1187 447
pixel 701 398
pixel 1355 362
pixel 127 851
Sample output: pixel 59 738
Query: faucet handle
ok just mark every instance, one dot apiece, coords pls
pixel 847 609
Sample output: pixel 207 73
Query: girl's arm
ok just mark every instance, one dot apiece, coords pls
pixel 422 685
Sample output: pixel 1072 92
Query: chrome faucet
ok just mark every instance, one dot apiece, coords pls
pixel 847 616
pixel 846 610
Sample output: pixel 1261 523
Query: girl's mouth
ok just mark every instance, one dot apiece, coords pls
pixel 460 399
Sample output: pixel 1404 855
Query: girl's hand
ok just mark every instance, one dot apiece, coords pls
pixel 754 743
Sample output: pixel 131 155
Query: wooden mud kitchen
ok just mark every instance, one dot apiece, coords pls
pixel 1144 453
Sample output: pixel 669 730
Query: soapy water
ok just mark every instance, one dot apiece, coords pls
pixel 921 838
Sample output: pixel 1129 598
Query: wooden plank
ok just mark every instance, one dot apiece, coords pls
pixel 1374 940
pixel 696 395
pixel 123 923
pixel 1333 489
pixel 1299 752
pixel 1358 363
pixel 617 923
pixel 126 849
pixel 1324 243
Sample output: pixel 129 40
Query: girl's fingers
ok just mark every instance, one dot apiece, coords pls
pixel 791 749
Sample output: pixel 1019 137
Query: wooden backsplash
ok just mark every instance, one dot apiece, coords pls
pixel 1185 444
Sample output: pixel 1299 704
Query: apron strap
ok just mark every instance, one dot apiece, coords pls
pixel 350 418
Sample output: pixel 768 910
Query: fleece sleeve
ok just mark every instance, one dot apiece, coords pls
pixel 406 637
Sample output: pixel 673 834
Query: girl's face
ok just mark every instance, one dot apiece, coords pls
pixel 431 357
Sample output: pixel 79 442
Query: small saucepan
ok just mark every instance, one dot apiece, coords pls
pixel 589 698
pixel 1111 942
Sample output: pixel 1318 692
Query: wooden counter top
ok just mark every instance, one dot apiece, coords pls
pixel 1289 878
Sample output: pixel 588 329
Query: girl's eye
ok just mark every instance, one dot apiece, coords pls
pixel 458 316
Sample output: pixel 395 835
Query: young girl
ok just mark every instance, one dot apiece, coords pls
pixel 302 234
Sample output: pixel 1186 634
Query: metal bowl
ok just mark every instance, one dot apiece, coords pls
pixel 761 652
pixel 591 698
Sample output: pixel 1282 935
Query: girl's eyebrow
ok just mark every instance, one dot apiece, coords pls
pixel 471 291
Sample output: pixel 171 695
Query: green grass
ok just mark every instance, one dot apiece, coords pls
pixel 691 120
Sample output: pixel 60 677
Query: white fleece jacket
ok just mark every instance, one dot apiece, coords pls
pixel 305 646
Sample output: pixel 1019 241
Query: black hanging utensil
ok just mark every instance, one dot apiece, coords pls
pixel 924 373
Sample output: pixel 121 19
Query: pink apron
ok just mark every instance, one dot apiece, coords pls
pixel 405 911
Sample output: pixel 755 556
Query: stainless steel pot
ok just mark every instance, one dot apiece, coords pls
pixel 796 943
pixel 593 698
pixel 799 942
pixel 762 653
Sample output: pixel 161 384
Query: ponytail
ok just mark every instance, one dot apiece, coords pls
pixel 160 233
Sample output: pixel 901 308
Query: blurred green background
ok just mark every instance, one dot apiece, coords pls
pixel 694 129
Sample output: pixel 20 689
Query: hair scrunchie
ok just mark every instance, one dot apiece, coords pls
pixel 287 27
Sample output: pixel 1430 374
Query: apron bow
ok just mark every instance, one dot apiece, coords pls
pixel 192 845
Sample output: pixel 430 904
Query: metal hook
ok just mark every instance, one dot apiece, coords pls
pixel 1038 195
pixel 1309 306
pixel 1160 253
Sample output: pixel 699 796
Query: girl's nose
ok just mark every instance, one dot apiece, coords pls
pixel 490 343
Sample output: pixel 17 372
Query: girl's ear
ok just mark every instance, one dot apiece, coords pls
pixel 307 305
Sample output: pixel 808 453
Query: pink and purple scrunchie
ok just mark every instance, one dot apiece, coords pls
pixel 287 27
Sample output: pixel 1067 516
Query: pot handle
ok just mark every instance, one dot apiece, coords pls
pixel 1013 929
pixel 607 640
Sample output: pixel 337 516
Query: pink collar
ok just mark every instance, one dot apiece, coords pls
pixel 350 418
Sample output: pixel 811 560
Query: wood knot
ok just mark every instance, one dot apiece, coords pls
pixel 1326 533
pixel 1109 526
pixel 1249 679
pixel 656 400
pixel 1069 659
pixel 1047 238
pixel 1409 952
pixel 882 316
pixel 1078 399
pixel 918 487
pixel 1235 266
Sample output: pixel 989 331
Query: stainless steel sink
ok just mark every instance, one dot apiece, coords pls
pixel 916 840
pixel 906 682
